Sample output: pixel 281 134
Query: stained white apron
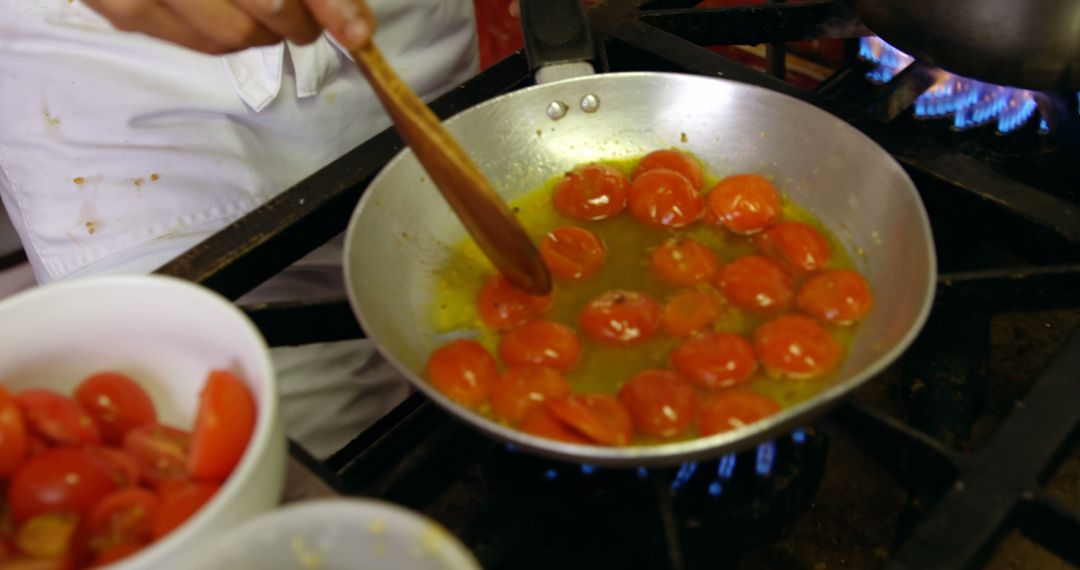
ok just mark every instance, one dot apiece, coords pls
pixel 118 152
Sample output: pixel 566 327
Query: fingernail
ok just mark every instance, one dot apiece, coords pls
pixel 357 33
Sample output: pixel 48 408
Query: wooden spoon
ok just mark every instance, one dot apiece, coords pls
pixel 484 214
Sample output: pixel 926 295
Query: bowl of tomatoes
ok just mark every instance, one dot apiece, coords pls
pixel 138 420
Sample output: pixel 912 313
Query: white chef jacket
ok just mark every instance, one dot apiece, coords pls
pixel 118 152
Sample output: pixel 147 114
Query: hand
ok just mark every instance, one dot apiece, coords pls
pixel 222 26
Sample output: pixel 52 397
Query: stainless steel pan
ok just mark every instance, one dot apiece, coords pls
pixel 402 229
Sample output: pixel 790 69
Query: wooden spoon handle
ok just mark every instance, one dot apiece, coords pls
pixel 484 214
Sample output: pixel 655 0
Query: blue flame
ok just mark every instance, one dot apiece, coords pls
pixel 587 469
pixel 715 488
pixel 799 436
pixel 726 468
pixel 970 103
pixel 642 472
pixel 685 473
pixel 1044 127
pixel 551 474
pixel 766 454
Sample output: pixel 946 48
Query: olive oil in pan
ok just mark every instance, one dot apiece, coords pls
pixel 604 368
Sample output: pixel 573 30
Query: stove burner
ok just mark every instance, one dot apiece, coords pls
pixel 970 103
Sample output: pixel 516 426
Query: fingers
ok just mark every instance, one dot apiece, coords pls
pixel 289 19
pixel 223 23
pixel 151 18
pixel 349 21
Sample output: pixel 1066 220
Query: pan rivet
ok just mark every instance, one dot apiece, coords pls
pixel 557 110
pixel 590 103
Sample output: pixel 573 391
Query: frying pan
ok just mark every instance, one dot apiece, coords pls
pixel 402 230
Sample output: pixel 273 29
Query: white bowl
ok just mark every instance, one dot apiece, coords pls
pixel 339 534
pixel 167 334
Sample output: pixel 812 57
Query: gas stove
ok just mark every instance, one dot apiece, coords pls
pixel 962 454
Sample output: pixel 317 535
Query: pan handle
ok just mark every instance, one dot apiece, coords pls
pixel 558 42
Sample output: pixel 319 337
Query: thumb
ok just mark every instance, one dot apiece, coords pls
pixel 349 21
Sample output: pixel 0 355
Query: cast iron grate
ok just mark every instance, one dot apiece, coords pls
pixel 1006 221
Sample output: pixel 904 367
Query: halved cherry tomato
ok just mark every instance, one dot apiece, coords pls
pixel 757 284
pixel 177 506
pixel 223 426
pixel 683 261
pixel 522 388
pixel 64 479
pixel 600 418
pixel 463 370
pixel 621 317
pixel 543 343
pixel 744 203
pixel 122 464
pixel 672 159
pixel 47 535
pixel 796 347
pixel 161 452
pixel 661 403
pixel 117 403
pixel 541 422
pixel 572 253
pixel 715 360
pixel 122 517
pixel 592 192
pixel 838 296
pixel 801 246
pixel 501 306
pixel 13 441
pixel 57 418
pixel 664 199
pixel 733 409
pixel 116 553
pixel 691 311
pixel 35 446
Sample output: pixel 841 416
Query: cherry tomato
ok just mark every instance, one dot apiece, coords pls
pixel 122 517
pixel 117 404
pixel 35 446
pixel 223 426
pixel 541 422
pixel 733 409
pixel 664 199
pixel 57 418
pixel 123 465
pixel 838 296
pixel 501 306
pixel 757 284
pixel 64 479
pixel 683 261
pixel 691 311
pixel 522 388
pixel 177 506
pixel 796 347
pixel 621 317
pixel 47 535
pixel 572 253
pixel 801 246
pixel 600 418
pixel 116 553
pixel 543 343
pixel 661 403
pixel 671 159
pixel 14 445
pixel 744 203
pixel 463 370
pixel 592 192
pixel 715 360
pixel 161 452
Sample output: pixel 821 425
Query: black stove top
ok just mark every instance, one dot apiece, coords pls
pixel 962 454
